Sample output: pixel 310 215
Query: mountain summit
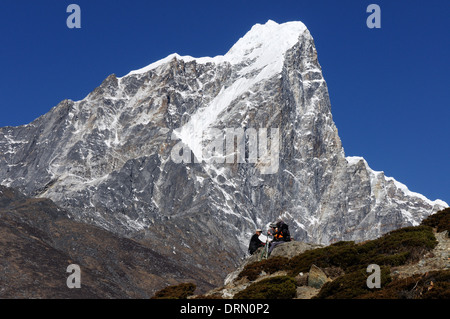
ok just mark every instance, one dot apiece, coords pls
pixel 264 45
pixel 109 158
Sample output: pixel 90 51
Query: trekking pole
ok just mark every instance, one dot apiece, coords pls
pixel 266 249
pixel 263 251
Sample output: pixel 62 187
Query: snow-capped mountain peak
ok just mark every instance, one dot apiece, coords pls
pixel 262 47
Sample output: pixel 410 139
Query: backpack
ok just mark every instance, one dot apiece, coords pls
pixel 285 230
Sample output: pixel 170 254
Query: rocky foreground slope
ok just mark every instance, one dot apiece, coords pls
pixel 415 264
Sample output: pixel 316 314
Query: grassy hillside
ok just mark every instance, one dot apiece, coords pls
pixel 404 246
pixel 345 264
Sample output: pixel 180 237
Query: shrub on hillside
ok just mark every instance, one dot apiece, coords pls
pixel 280 287
pixel 269 266
pixel 352 285
pixel 433 285
pixel 439 220
pixel 393 249
pixel 181 291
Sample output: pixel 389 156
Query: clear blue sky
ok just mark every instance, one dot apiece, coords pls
pixel 389 87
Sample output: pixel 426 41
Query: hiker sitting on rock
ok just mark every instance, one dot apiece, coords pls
pixel 255 243
pixel 280 233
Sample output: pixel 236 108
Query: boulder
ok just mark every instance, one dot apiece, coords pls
pixel 292 248
pixel 316 277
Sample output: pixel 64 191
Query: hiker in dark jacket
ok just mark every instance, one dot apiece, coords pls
pixel 255 243
pixel 280 233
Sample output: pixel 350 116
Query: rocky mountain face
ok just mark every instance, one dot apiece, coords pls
pixel 113 159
